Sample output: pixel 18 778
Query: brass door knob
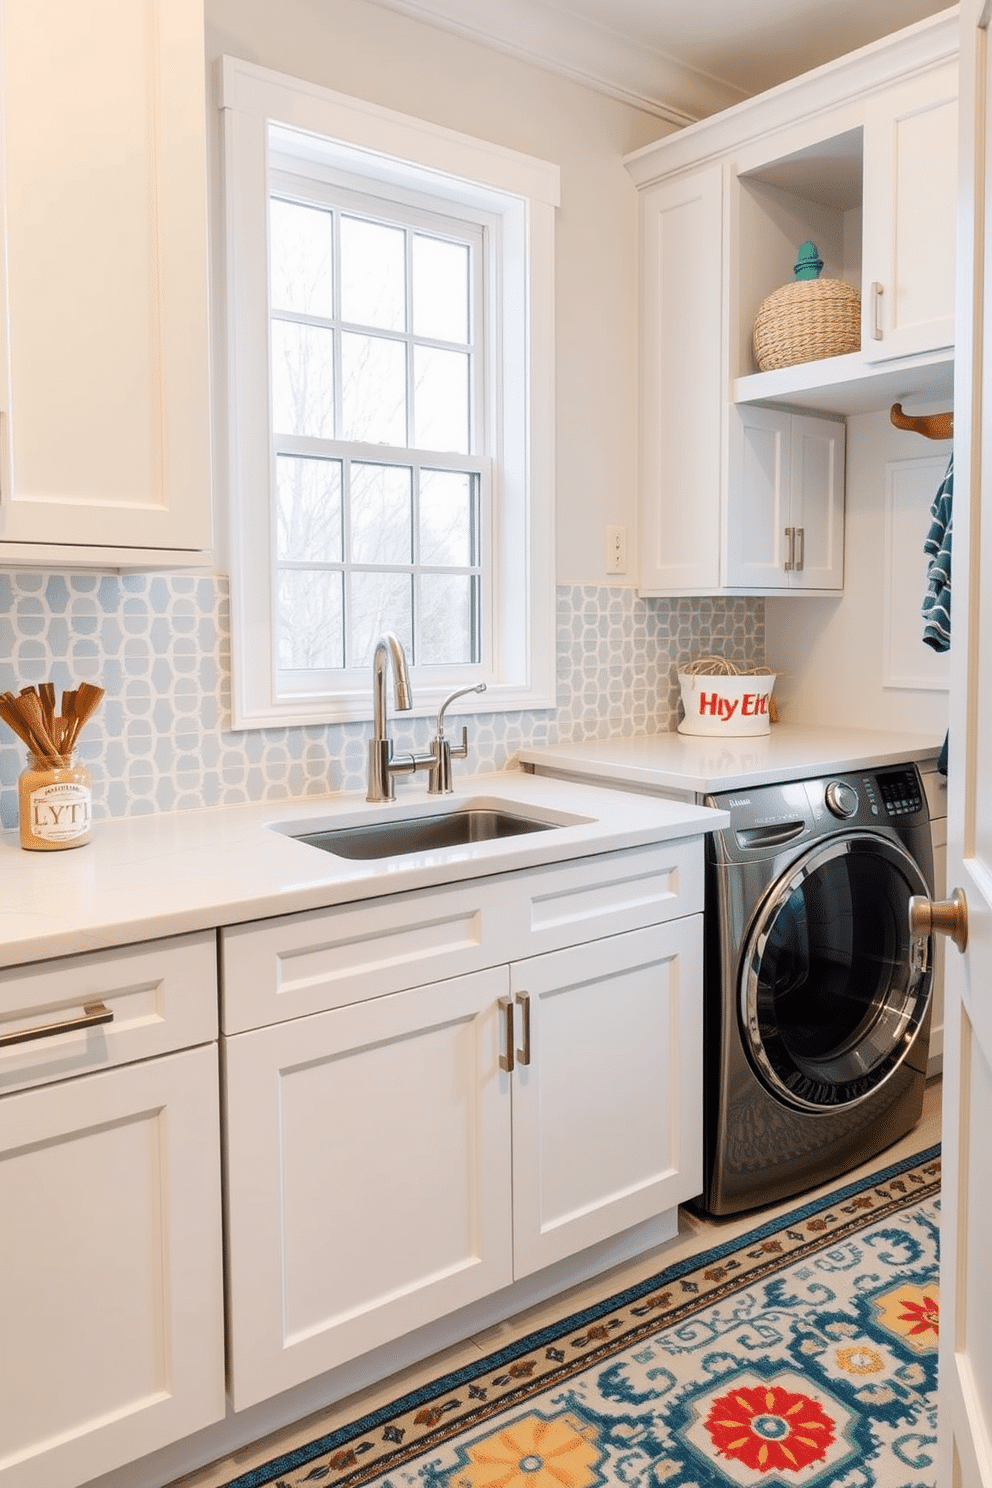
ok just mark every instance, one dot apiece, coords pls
pixel 940 917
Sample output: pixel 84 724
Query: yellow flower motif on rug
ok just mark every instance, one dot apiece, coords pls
pixel 861 1359
pixel 533 1453
pixel 912 1313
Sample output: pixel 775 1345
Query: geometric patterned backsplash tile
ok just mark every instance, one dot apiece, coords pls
pixel 159 644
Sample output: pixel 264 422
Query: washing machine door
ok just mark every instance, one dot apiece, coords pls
pixel 832 991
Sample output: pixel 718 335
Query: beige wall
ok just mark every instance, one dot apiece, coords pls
pixel 376 54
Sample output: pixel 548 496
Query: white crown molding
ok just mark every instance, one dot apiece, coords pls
pixel 916 49
pixel 544 35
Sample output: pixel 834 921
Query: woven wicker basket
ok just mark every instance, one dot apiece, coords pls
pixel 805 321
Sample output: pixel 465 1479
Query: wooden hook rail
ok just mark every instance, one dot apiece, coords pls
pixel 930 425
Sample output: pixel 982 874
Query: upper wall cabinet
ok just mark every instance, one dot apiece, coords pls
pixel 786 501
pixel 104 389
pixel 910 211
pixel 682 381
pixel 859 157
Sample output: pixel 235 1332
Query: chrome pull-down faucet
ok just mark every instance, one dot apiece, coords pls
pixel 382 766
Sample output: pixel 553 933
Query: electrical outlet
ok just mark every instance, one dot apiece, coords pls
pixel 616 550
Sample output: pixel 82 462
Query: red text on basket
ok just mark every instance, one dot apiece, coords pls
pixel 752 705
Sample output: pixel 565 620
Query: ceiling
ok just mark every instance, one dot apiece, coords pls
pixel 679 59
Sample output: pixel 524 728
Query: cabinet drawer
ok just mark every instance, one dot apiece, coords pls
pixel 592 897
pixel 162 995
pixel 307 963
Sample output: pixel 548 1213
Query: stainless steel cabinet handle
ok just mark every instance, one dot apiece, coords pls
pixel 505 1006
pixel 877 291
pixel 940 917
pixel 801 536
pixel 790 537
pixel 523 1053
pixel 94 1013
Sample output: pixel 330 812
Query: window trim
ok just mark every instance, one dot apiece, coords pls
pixel 263 113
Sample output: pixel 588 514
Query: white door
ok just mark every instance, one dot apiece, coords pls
pixel 606 1078
pixel 368 1164
pixel 966 1276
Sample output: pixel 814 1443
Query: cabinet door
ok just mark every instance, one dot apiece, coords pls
pixel 682 389
pixel 910 214
pixel 607 1088
pixel 368 1163
pixel 759 538
pixel 818 448
pixel 104 393
pixel 111 1290
pixel 785 517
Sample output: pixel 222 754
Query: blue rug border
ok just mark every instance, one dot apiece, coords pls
pixel 262 1477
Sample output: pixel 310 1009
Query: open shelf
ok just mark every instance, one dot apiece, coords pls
pixel 847 384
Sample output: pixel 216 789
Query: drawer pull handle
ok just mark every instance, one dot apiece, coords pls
pixel 506 1059
pixel 523 1053
pixel 94 1013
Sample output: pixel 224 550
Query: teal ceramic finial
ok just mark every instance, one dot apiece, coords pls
pixel 809 263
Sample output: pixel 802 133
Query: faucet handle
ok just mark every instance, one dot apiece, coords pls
pixel 459 751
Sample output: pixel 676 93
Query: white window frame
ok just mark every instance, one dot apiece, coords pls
pixel 305 181
pixel 267 119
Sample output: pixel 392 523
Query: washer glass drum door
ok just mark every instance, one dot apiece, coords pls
pixel 833 992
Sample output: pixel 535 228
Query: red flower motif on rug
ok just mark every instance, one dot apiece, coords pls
pixel 769 1428
pixel 912 1313
pixel 922 1317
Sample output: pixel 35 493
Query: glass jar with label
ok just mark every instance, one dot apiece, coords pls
pixel 55 803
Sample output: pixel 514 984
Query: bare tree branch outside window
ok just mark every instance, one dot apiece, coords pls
pixel 377 520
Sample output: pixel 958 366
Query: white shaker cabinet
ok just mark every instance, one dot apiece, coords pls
pixel 683 396
pixel 859 157
pixel 369 1177
pixel 786 507
pixel 407 1152
pixel 604 1119
pixel 104 392
pixel 111 1293
pixel 910 217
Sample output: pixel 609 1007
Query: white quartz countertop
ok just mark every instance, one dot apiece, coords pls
pixel 145 877
pixel 696 763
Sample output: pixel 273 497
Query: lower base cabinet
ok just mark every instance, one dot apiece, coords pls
pixel 111 1288
pixel 392 1160
pixel 368 1163
pixel 604 1088
pixel 110 1297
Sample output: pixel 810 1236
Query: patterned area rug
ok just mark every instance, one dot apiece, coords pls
pixel 805 1353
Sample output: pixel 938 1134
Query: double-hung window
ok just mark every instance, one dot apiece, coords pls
pixel 378 419
pixel 391 413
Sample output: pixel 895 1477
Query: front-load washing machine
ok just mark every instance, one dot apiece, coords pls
pixel 817 999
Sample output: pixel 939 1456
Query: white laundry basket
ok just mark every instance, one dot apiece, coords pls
pixel 732 706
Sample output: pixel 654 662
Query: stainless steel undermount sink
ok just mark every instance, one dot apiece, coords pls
pixel 390 839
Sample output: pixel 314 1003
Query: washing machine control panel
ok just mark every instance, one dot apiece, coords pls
pixel 899 791
pixel 841 799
